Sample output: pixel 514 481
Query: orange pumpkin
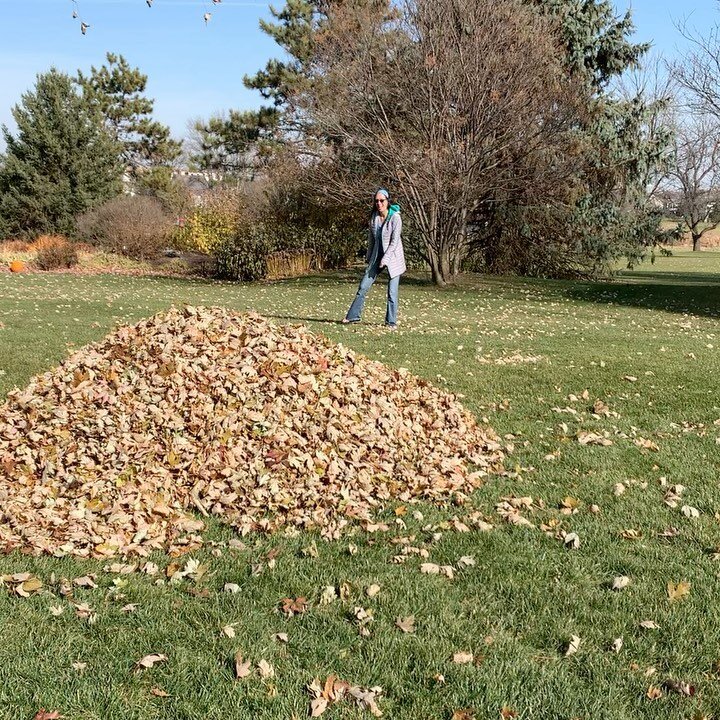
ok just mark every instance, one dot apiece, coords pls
pixel 17 266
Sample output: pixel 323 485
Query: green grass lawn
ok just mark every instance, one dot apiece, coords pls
pixel 531 357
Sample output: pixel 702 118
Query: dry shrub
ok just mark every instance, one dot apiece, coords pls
pixel 15 245
pixel 133 225
pixel 288 263
pixel 54 252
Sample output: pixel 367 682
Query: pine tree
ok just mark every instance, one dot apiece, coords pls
pixel 117 90
pixel 61 163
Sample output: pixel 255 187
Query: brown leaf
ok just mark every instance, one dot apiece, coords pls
pixel 294 606
pixel 159 692
pixel 318 706
pixel 406 624
pixel 654 692
pixel 242 667
pixel 464 714
pixel 149 660
pixel 43 714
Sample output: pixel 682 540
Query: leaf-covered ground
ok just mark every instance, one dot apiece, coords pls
pixel 223 413
pixel 592 595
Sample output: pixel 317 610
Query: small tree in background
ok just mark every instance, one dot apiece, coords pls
pixel 694 175
pixel 61 162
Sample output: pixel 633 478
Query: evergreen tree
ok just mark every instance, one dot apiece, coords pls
pixel 116 90
pixel 236 145
pixel 61 163
pixel 294 33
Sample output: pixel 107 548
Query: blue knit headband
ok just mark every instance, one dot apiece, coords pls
pixel 384 192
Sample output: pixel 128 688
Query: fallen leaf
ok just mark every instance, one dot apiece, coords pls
pixel 621 582
pixel 28 586
pixel 366 698
pixel 242 667
pixel 465 714
pixel 572 541
pixel 318 706
pixel 295 606
pixel 228 630
pixel 231 588
pixel 159 692
pixel 149 660
pixel 85 581
pixel 678 591
pixel 617 644
pixel 462 657
pixel 43 714
pixel 406 624
pixel 281 637
pixel 265 669
pixel 654 692
pixel 573 645
pixel 372 591
pixel 649 625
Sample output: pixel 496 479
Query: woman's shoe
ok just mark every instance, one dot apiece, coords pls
pixel 347 321
pixel 388 326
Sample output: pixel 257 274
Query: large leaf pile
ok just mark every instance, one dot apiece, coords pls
pixel 209 412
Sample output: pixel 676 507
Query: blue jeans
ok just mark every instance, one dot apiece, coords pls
pixel 371 273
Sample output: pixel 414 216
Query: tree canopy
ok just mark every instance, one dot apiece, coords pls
pixel 117 90
pixel 60 163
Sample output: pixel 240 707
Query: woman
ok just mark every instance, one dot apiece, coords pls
pixel 385 250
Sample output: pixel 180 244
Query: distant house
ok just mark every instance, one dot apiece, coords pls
pixel 196 183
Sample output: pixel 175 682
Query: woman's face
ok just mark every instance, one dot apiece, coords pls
pixel 381 204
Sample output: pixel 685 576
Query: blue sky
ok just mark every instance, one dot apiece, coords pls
pixel 195 70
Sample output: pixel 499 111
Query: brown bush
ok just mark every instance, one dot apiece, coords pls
pixel 132 225
pixel 54 252
pixel 15 245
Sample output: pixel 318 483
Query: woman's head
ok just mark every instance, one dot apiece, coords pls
pixel 381 203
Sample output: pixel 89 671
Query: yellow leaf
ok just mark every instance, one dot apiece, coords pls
pixel 678 591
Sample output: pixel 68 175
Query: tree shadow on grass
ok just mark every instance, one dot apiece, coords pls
pixel 695 293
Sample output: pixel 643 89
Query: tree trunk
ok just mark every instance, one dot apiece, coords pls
pixel 696 242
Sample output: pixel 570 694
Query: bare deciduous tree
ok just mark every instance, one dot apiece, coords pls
pixel 695 175
pixel 458 104
pixel 698 72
